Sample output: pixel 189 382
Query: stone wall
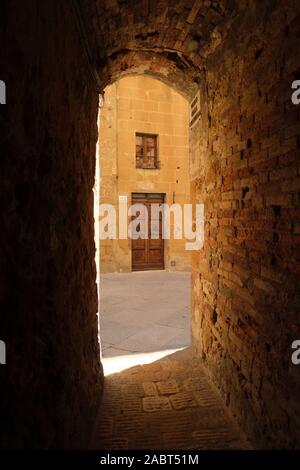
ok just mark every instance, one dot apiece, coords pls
pixel 143 104
pixel 246 170
pixel 245 155
pixel 52 382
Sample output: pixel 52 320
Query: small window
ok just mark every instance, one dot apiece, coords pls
pixel 146 151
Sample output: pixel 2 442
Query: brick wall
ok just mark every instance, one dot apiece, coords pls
pixel 246 170
pixel 52 381
pixel 245 157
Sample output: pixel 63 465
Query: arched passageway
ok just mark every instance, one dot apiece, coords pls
pixel 146 314
pixel 244 168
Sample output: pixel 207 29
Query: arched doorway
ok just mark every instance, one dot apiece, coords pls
pixel 143 160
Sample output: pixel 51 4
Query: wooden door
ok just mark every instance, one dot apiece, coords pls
pixel 148 253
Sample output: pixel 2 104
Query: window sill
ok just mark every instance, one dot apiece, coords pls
pixel 147 168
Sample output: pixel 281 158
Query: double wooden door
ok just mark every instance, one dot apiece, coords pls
pixel 148 253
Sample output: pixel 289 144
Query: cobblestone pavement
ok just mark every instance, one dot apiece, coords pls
pixel 169 404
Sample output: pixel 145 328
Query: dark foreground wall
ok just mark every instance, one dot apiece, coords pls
pixel 48 302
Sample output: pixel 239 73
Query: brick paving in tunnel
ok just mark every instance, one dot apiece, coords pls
pixel 168 404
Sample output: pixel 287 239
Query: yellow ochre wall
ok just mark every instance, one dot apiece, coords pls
pixel 143 104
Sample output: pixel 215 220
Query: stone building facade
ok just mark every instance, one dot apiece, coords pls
pixel 135 106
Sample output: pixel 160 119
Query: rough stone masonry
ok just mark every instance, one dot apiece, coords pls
pixel 244 152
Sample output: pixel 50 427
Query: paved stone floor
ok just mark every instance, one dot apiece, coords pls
pixel 169 404
pixel 165 401
pixel 143 316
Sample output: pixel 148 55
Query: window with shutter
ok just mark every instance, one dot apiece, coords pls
pixel 146 151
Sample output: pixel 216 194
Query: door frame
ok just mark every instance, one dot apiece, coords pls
pixel 141 195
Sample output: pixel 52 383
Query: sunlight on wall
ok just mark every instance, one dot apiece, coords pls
pixel 96 191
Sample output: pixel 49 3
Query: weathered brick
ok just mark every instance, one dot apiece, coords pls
pixel 155 403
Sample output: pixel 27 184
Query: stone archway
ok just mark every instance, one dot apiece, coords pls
pixel 245 156
pixel 235 172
